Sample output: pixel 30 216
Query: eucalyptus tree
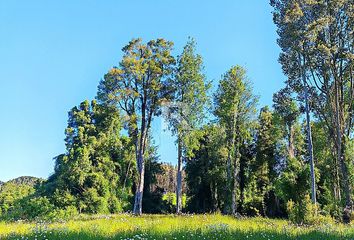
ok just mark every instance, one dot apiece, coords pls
pixel 187 111
pixel 316 38
pixel 235 107
pixel 139 86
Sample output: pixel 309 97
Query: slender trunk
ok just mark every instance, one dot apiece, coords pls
pixel 138 203
pixel 231 187
pixel 215 197
pixel 338 194
pixel 235 174
pixel 235 180
pixel 264 206
pixel 126 176
pixel 138 209
pixel 179 179
pixel 347 185
pixel 228 183
pixel 291 148
pixel 340 141
pixel 309 139
pixel 310 149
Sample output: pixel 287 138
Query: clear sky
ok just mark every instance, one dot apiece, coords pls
pixel 54 53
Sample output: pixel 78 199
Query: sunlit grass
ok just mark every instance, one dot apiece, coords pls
pixel 171 227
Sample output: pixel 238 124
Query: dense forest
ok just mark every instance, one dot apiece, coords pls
pixel 294 159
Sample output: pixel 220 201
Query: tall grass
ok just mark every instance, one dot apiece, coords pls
pixel 171 227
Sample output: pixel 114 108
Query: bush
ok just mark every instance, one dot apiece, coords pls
pixel 31 208
pixel 94 202
pixel 10 194
pixel 333 209
pixel 63 214
pixel 305 212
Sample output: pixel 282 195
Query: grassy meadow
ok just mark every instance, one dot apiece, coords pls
pixel 171 227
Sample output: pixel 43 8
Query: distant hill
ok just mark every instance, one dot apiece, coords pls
pixel 27 180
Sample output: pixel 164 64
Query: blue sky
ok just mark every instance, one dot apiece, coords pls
pixel 54 53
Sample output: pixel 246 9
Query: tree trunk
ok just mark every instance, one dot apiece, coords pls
pixel 126 175
pixel 337 189
pixel 309 139
pixel 235 179
pixel 291 148
pixel 215 196
pixel 347 186
pixel 179 180
pixel 138 203
pixel 228 184
pixel 310 149
pixel 341 154
pixel 233 190
pixel 235 185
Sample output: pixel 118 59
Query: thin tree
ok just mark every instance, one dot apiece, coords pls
pixel 187 112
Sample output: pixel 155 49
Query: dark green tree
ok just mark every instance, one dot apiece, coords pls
pixel 206 172
pixel 264 165
pixel 91 174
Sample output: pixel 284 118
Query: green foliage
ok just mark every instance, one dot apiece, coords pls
pixel 206 172
pixel 262 171
pixel 235 164
pixel 187 112
pixel 153 201
pixel 234 96
pixel 305 212
pixel 33 207
pixel 293 183
pixel 317 56
pixel 170 200
pixel 10 194
pixel 138 87
pixel 235 107
pixel 92 174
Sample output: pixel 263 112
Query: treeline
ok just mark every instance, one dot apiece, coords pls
pixel 294 159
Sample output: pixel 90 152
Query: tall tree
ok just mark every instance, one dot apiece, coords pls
pixel 264 166
pixel 235 107
pixel 187 111
pixel 139 86
pixel 316 37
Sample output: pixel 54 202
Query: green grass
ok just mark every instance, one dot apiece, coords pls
pixel 187 227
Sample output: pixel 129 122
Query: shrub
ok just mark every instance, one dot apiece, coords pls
pixel 94 202
pixel 63 214
pixel 10 194
pixel 32 207
pixel 305 212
